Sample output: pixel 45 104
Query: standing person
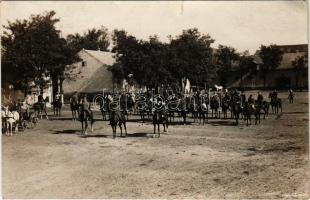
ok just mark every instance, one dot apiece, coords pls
pixel 291 96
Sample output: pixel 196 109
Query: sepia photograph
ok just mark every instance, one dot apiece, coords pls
pixel 154 100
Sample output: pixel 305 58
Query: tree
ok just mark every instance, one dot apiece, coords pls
pixel 33 50
pixel 93 39
pixel 129 57
pixel 299 64
pixel 271 57
pixel 225 58
pixel 190 56
pixel 246 66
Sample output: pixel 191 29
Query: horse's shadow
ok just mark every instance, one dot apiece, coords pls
pixel 95 136
pixel 68 131
pixel 222 123
pixel 146 120
pixel 140 134
pixel 52 117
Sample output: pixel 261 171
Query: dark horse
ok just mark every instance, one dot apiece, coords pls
pixel 214 104
pixel 117 118
pixel 84 117
pixel 247 112
pixel 74 106
pixel 160 117
pixel 236 110
pixel 57 105
pixel 225 106
pixel 275 103
pixel 39 108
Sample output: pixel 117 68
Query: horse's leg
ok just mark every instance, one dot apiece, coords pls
pixel 125 128
pixel 114 130
pixel 11 128
pixel 7 128
pixel 120 127
pixel 158 127
pixel 91 125
pixel 154 129
pixel 16 127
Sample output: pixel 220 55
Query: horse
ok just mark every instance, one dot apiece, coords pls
pixel 265 108
pixel 257 109
pixel 225 106
pixel 214 104
pixel 74 106
pixel 84 118
pixel 117 118
pixel 39 108
pixel 183 109
pixel 203 113
pixel 290 97
pixel 194 110
pixel 27 116
pixel 236 110
pixel 160 117
pixel 172 106
pixel 10 118
pixel 275 103
pixel 247 111
pixel 57 105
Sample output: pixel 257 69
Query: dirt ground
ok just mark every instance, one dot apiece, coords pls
pixel 217 160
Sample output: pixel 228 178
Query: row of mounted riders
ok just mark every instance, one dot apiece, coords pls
pixel 21 115
pixel 162 111
pixel 156 109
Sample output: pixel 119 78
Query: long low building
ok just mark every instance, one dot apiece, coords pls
pixel 283 77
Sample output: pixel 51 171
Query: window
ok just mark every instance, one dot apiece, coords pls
pixel 83 63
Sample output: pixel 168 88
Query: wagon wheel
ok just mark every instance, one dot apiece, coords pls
pixel 24 124
pixel 35 121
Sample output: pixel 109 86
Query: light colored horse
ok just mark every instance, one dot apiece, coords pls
pixel 10 118
pixel 218 88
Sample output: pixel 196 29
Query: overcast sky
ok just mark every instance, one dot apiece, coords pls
pixel 240 24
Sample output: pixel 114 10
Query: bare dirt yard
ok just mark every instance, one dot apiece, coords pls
pixel 217 160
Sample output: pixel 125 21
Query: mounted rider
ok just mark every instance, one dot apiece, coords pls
pixel 251 99
pixel 75 97
pixel 274 94
pixel 260 98
pixel 85 106
pixel 57 97
pixel 291 96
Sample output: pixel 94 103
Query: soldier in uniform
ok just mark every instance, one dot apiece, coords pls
pixel 260 98
pixel 85 105
pixel 250 100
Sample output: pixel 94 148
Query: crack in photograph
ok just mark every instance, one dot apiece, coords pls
pixel 154 100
